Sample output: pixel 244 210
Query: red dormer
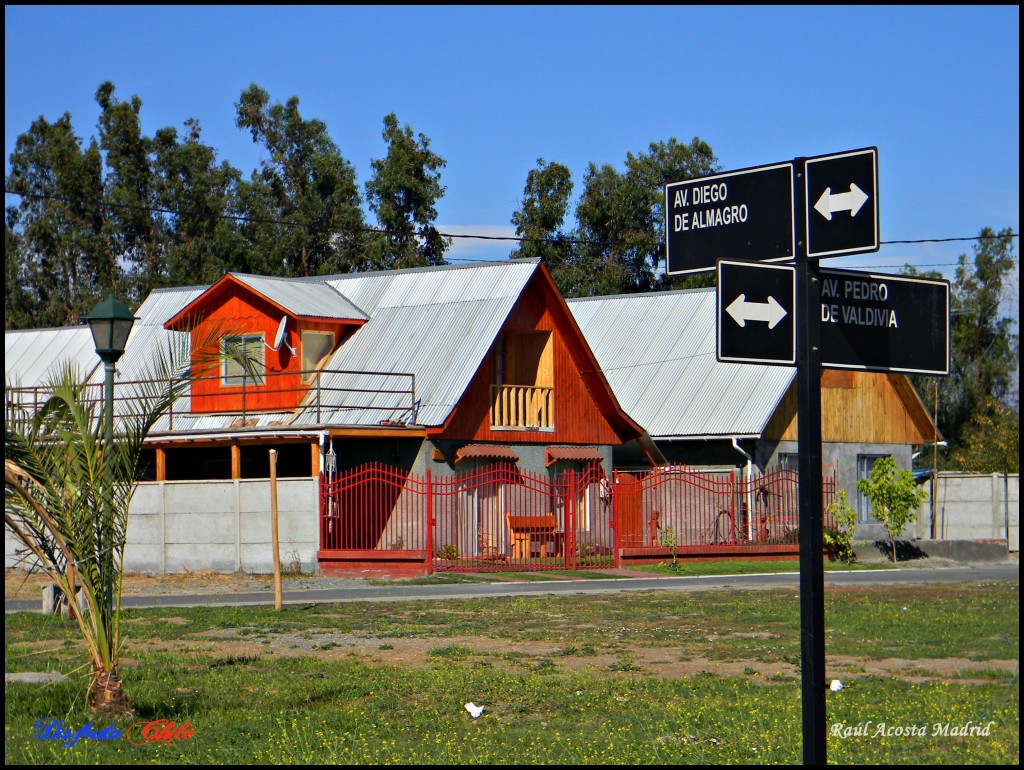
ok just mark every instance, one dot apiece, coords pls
pixel 287 328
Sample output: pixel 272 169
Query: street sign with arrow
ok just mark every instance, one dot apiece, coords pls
pixel 830 202
pixel 842 198
pixel 756 313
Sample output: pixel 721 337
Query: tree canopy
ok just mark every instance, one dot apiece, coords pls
pixel 129 212
pixel 978 404
pixel 617 244
pixel 403 192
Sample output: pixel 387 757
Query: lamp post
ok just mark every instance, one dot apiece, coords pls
pixel 110 322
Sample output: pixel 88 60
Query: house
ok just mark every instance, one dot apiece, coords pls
pixel 463 417
pixel 427 372
pixel 657 351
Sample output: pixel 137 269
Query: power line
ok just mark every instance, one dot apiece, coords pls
pixel 514 238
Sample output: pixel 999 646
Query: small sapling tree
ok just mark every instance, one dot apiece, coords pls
pixel 894 497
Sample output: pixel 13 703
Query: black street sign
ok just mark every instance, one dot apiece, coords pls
pixel 885 323
pixel 740 215
pixel 842 203
pixel 756 313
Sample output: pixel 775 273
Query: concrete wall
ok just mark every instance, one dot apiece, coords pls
pixel 221 526
pixel 845 458
pixel 972 506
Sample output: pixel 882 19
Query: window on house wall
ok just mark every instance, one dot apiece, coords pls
pixel 247 348
pixel 787 461
pixel 864 465
pixel 315 347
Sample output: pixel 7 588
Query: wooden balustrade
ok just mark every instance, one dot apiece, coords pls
pixel 522 406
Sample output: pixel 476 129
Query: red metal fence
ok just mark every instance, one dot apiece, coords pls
pixel 684 507
pixel 501 517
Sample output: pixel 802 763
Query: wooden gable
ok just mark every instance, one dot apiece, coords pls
pixel 229 308
pixel 860 408
pixel 540 337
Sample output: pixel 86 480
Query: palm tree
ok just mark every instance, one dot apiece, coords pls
pixel 60 478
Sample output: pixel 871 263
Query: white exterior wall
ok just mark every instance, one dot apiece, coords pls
pixel 971 506
pixel 221 526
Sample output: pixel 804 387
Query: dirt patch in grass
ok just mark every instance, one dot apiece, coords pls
pixel 661 662
pixel 646 647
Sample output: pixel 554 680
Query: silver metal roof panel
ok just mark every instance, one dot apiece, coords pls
pixel 658 352
pixel 32 355
pixel 305 298
pixel 434 323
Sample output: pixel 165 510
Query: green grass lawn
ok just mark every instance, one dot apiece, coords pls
pixel 657 677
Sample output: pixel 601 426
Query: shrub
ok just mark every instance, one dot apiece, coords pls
pixel 839 539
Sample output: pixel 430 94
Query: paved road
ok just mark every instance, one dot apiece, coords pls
pixel 981 572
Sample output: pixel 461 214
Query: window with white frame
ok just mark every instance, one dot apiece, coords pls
pixel 243 362
pixel 787 461
pixel 865 463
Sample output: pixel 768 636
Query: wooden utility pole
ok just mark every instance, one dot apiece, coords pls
pixel 273 525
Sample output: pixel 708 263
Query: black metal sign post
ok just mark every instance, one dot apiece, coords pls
pixel 833 210
pixel 812 568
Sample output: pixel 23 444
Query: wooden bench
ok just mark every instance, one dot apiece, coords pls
pixel 524 531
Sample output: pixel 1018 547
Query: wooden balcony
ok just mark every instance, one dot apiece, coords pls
pixel 528 407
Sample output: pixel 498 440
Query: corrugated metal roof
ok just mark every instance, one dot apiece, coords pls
pixel 658 353
pixel 163 304
pixel 31 355
pixel 309 298
pixel 436 324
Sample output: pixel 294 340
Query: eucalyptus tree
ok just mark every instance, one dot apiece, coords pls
pixel 19 307
pixel 977 405
pixel 132 223
pixel 199 203
pixel 540 219
pixel 303 201
pixel 403 193
pixel 620 236
pixel 57 248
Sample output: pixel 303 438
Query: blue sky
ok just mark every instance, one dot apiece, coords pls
pixel 935 89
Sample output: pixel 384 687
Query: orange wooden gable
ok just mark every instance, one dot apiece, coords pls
pixel 230 308
pixel 585 408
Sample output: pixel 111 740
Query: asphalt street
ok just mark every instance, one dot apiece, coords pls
pixel 981 572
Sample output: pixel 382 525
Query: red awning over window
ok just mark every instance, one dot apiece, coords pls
pixel 486 452
pixel 583 454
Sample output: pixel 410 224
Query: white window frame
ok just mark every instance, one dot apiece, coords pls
pixel 236 377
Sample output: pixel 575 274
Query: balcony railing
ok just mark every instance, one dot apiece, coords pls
pixel 390 395
pixel 527 407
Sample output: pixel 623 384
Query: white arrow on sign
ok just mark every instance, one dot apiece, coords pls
pixel 743 311
pixel 848 201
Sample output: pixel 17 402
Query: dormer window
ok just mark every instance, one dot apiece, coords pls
pixel 247 348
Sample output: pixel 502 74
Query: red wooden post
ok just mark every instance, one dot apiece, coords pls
pixel 430 523
pixel 616 538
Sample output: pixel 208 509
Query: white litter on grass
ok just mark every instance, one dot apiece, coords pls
pixel 474 710
pixel 836 685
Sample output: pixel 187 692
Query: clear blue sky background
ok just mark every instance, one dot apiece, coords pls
pixel 936 89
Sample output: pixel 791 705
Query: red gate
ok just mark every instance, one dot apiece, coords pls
pixel 494 518
pixel 501 517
